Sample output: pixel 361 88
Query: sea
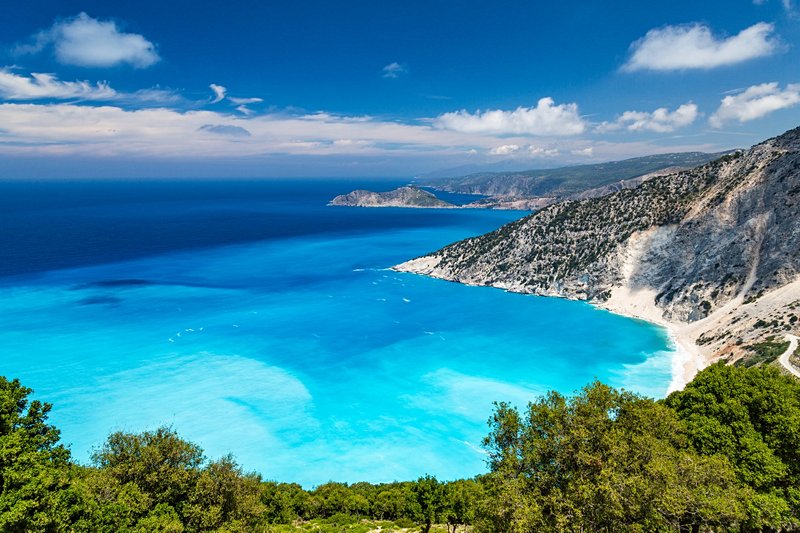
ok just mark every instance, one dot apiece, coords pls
pixel 255 320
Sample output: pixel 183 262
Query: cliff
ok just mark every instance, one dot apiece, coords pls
pixel 713 251
pixel 402 197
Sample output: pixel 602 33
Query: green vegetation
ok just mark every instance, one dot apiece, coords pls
pixel 722 455
pixel 764 352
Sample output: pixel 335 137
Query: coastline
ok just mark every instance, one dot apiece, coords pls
pixel 688 358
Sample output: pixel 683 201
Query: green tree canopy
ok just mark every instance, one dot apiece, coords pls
pixel 752 417
pixel 428 502
pixel 602 460
pixel 35 472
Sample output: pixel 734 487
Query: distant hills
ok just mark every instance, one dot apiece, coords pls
pixel 530 189
pixel 550 185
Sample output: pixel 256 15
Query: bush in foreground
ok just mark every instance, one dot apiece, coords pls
pixel 722 455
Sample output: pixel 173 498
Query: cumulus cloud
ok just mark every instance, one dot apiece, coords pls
pixel 154 133
pixel 694 46
pixel 583 152
pixel 524 151
pixel 87 42
pixel 538 151
pixel 394 70
pixel 662 120
pixel 755 102
pixel 219 92
pixel 546 118
pixel 46 86
pixel 504 149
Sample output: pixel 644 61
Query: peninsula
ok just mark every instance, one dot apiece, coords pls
pixel 402 197
pixel 712 253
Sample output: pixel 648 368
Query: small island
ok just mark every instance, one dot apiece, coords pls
pixel 407 196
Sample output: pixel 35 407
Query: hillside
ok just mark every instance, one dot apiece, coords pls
pixel 560 183
pixel 713 252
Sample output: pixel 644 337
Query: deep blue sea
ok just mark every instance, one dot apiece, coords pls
pixel 256 320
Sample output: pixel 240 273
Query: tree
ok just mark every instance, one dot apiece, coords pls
pixel 224 495
pixel 602 460
pixel 284 502
pixel 143 480
pixel 752 417
pixel 428 501
pixel 35 472
pixel 160 463
pixel 461 502
pixel 328 499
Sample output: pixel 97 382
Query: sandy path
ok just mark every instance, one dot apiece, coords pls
pixel 784 359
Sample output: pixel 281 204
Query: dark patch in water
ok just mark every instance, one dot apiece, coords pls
pixel 101 300
pixel 113 284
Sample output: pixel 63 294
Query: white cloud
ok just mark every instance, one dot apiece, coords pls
pixel 694 46
pixel 583 152
pixel 41 86
pixel 538 151
pixel 544 119
pixel 87 42
pixel 504 149
pixel 164 133
pixel 219 92
pixel 662 120
pixel 755 102
pixel 111 131
pixel 47 86
pixel 245 101
pixel 394 70
pixel 524 151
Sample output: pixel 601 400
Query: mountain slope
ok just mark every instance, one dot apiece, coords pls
pixel 565 181
pixel 700 247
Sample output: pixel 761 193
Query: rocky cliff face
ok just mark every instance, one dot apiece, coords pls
pixel 402 197
pixel 707 241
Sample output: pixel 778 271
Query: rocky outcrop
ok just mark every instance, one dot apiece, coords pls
pixel 402 197
pixel 706 244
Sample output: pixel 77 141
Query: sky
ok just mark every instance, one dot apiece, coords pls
pixel 363 88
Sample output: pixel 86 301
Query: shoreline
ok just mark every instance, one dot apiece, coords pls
pixel 687 359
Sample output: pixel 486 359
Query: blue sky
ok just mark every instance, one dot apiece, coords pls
pixel 359 88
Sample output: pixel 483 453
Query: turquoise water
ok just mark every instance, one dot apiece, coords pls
pixel 301 354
